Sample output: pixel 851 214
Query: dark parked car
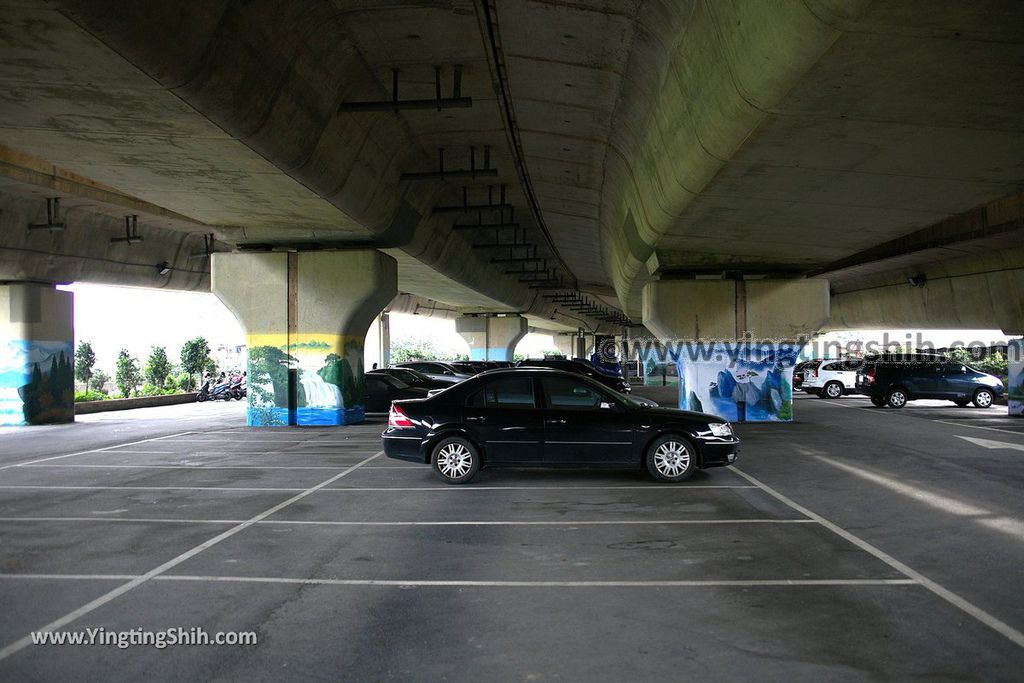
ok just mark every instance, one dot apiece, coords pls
pixel 470 367
pixel 895 379
pixel 436 369
pixel 381 390
pixel 547 418
pixel 413 378
pixel 580 368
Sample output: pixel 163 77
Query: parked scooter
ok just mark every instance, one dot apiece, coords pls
pixel 239 390
pixel 221 391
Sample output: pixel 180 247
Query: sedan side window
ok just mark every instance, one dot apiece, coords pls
pixel 565 393
pixel 511 392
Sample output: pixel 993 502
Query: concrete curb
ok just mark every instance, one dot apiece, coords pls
pixel 87 407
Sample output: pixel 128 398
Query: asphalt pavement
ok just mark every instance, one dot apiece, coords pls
pixel 854 544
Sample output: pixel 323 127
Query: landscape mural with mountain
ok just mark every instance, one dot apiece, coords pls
pixel 36 382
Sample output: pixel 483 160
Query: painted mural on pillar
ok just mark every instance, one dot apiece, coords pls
pixel 315 380
pixel 37 382
pixel 741 382
pixel 1015 383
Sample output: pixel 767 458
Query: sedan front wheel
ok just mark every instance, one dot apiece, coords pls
pixel 455 459
pixel 671 459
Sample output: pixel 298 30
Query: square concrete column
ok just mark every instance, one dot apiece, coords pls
pixel 492 337
pixel 305 315
pixel 733 342
pixel 37 355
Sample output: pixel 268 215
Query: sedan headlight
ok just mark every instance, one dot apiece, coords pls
pixel 722 430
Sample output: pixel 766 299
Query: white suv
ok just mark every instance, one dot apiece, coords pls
pixel 831 378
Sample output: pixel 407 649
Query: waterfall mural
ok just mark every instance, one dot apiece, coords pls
pixel 36 382
pixel 1015 383
pixel 742 382
pixel 313 380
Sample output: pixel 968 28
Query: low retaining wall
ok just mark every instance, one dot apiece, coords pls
pixel 86 407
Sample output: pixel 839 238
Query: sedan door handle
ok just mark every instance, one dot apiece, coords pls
pixel 477 418
pixel 556 422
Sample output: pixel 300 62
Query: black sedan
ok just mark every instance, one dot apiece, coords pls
pixel 381 390
pixel 548 418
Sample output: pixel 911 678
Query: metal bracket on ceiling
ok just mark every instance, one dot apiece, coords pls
pixel 442 173
pixel 466 207
pixel 208 242
pixel 53 222
pixel 456 101
pixel 131 231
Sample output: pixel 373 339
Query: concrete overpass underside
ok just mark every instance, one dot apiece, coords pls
pixel 550 159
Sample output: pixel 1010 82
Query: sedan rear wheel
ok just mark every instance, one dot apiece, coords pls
pixel 983 398
pixel 455 460
pixel 671 459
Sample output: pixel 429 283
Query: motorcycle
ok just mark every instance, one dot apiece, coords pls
pixel 238 387
pixel 221 391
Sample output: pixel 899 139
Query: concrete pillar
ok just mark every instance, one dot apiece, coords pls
pixel 37 355
pixel 1015 385
pixel 491 337
pixel 734 343
pixel 734 309
pixel 305 315
pixel 385 340
pixel 566 344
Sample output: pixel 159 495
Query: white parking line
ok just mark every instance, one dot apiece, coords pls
pixel 71 487
pixel 693 583
pixel 911 413
pixel 305 522
pixel 92 450
pixel 74 615
pixel 949 596
pixel 185 467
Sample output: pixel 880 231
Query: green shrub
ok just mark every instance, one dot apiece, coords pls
pixel 84 396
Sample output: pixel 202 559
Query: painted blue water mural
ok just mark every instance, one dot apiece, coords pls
pixel 282 417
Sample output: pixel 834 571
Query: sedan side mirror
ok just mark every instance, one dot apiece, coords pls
pixel 606 405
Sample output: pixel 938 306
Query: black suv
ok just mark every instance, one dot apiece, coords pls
pixel 580 368
pixel 895 379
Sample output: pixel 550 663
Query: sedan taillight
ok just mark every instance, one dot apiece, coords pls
pixel 397 418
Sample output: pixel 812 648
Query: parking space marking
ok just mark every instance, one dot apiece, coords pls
pixel 691 583
pixel 186 467
pixel 272 489
pixel 949 596
pixel 911 413
pixel 92 450
pixel 314 522
pixel 74 615
pixel 15 487
pixel 991 429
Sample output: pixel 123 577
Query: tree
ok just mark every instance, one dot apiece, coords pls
pixel 99 380
pixel 85 360
pixel 127 376
pixel 403 350
pixel 157 366
pixel 195 355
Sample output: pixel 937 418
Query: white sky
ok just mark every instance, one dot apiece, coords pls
pixel 134 318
